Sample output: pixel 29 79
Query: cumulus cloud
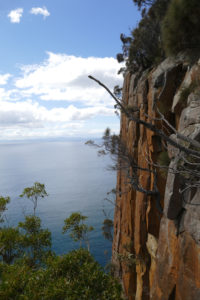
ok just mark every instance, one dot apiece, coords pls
pixel 65 77
pixel 85 109
pixel 29 119
pixel 4 78
pixel 17 133
pixel 15 15
pixel 40 11
pixel 7 95
pixel 27 112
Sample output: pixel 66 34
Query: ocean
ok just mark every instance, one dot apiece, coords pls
pixel 75 178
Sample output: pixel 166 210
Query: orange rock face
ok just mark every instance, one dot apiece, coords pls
pixel 157 256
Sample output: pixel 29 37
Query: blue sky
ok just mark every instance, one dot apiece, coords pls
pixel 48 48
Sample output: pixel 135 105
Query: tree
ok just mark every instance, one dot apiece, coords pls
pixel 113 145
pixel 3 203
pixel 35 240
pixel 79 230
pixel 34 193
pixel 29 270
pixel 28 238
pixel 143 48
pixel 181 26
pixel 9 237
pixel 107 229
pixel 141 3
pixel 73 276
pixel 10 244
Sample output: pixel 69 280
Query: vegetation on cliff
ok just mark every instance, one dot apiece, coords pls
pixel 181 26
pixel 165 29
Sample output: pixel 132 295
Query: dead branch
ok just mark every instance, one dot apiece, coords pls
pixel 148 125
pixel 125 160
pixel 178 134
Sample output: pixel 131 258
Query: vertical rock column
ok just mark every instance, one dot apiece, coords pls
pixel 158 256
pixel 136 215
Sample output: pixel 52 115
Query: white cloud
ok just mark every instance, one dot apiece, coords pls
pixel 84 105
pixel 40 11
pixel 30 113
pixel 65 77
pixel 17 133
pixel 31 119
pixel 9 94
pixel 4 78
pixel 15 15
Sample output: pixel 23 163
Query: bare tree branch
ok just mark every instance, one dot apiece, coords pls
pixel 178 134
pixel 147 124
pixel 188 170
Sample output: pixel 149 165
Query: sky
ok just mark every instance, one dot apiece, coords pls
pixel 48 49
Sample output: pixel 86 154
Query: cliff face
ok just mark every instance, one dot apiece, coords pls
pixel 157 256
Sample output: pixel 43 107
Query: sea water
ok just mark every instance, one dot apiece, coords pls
pixel 76 179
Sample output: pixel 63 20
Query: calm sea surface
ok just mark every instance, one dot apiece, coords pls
pixel 76 179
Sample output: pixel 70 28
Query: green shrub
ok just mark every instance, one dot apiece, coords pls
pixel 181 26
pixel 141 3
pixel 35 240
pixel 163 158
pixel 73 276
pixel 163 161
pixel 10 244
pixel 144 48
pixel 3 203
pixel 107 229
pixel 30 270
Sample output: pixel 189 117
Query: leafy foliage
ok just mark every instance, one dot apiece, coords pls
pixel 9 237
pixel 34 192
pixel 79 230
pixel 29 270
pixel 181 26
pixel 107 229
pixel 166 28
pixel 141 3
pixel 163 158
pixel 10 244
pixel 117 91
pixel 3 202
pixel 73 276
pixel 144 48
pixel 35 240
pixel 112 145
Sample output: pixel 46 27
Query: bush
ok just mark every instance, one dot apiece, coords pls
pixel 35 240
pixel 3 203
pixel 144 47
pixel 141 3
pixel 73 276
pixel 181 26
pixel 163 161
pixel 30 270
pixel 10 244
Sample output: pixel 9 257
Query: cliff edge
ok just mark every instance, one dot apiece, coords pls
pixel 157 254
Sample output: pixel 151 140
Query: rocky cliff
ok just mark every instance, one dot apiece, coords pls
pixel 157 255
